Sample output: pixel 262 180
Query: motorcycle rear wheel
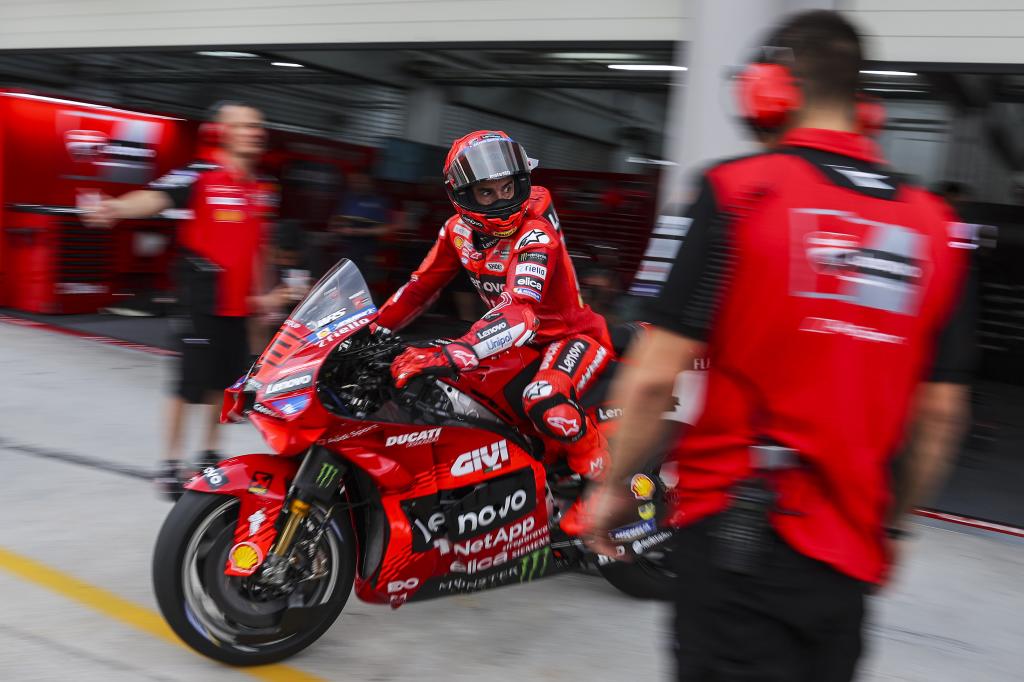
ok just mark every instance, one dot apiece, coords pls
pixel 646 577
pixel 234 620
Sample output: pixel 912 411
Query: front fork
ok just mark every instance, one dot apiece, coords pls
pixel 317 480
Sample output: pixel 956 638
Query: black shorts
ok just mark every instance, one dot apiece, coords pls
pixel 796 620
pixel 214 354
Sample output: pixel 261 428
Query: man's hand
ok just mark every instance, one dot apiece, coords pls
pixel 104 214
pixel 434 360
pixel 278 297
pixel 610 506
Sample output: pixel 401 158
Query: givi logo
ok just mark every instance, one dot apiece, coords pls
pixel 85 145
pixel 481 459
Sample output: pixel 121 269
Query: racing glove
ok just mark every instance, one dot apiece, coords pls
pixel 435 360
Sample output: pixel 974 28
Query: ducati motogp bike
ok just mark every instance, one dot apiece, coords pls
pixel 432 490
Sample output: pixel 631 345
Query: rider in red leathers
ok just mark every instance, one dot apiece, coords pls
pixel 505 234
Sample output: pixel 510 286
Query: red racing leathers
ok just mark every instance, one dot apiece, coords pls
pixel 529 283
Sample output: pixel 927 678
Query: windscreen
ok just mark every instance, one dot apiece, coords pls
pixel 339 299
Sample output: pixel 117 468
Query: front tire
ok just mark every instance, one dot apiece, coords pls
pixel 236 620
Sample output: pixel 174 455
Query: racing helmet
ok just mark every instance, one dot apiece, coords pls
pixel 488 155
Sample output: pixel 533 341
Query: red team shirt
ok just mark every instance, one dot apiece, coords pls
pixel 825 288
pixel 227 225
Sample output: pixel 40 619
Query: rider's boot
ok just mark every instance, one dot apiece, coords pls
pixel 588 457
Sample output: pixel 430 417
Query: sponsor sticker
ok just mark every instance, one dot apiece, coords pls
pixel 534 257
pixel 256 520
pixel 290 406
pixel 571 355
pixel 413 439
pixel 535 295
pixel 215 477
pixel 566 426
pixel 533 238
pixel 506 499
pixel 327 475
pixel 646 544
pixel 495 267
pixel 646 511
pixel 534 269
pixel 260 483
pixel 633 531
pixel 245 557
pixel 642 486
pixel 538 390
pixel 528 281
pixel 488 458
pixel 403 585
pixel 292 383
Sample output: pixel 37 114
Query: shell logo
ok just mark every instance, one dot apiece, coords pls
pixel 245 557
pixel 642 487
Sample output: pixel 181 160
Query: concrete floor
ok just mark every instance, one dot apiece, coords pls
pixel 952 615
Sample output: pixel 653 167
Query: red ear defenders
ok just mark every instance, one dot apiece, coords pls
pixel 870 114
pixel 768 93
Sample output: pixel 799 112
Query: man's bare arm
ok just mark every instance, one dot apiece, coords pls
pixel 142 203
pixel 643 389
pixel 939 421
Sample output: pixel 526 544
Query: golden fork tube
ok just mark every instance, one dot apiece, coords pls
pixel 296 513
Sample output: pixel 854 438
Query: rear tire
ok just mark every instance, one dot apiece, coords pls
pixel 207 609
pixel 646 577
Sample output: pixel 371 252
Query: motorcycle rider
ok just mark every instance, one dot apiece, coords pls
pixel 505 234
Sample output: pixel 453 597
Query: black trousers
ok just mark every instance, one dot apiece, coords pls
pixel 794 620
pixel 214 354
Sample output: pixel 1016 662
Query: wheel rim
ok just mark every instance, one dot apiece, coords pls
pixel 224 609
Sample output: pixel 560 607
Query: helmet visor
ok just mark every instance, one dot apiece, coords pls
pixel 489 159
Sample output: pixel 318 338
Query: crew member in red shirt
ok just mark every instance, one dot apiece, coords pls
pixel 505 234
pixel 222 240
pixel 832 299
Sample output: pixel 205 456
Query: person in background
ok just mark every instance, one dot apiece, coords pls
pixel 222 248
pixel 955 193
pixel 835 303
pixel 363 218
pixel 288 266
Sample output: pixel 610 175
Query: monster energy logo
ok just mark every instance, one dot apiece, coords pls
pixel 327 474
pixel 534 564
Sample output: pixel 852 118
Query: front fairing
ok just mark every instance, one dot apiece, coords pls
pixel 279 393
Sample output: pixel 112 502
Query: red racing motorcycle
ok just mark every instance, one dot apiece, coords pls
pixel 432 490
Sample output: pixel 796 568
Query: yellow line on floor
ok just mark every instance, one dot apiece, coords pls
pixel 117 608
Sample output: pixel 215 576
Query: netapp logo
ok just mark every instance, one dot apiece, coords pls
pixel 412 439
pixel 290 384
pixel 481 459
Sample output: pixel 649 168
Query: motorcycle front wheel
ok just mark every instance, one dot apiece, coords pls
pixel 241 621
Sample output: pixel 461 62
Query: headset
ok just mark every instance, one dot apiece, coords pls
pixel 768 93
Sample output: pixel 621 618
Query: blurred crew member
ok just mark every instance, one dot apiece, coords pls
pixel 363 217
pixel 832 299
pixel 221 244
pixel 505 235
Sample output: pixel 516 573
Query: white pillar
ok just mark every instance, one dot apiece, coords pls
pixel 701 124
